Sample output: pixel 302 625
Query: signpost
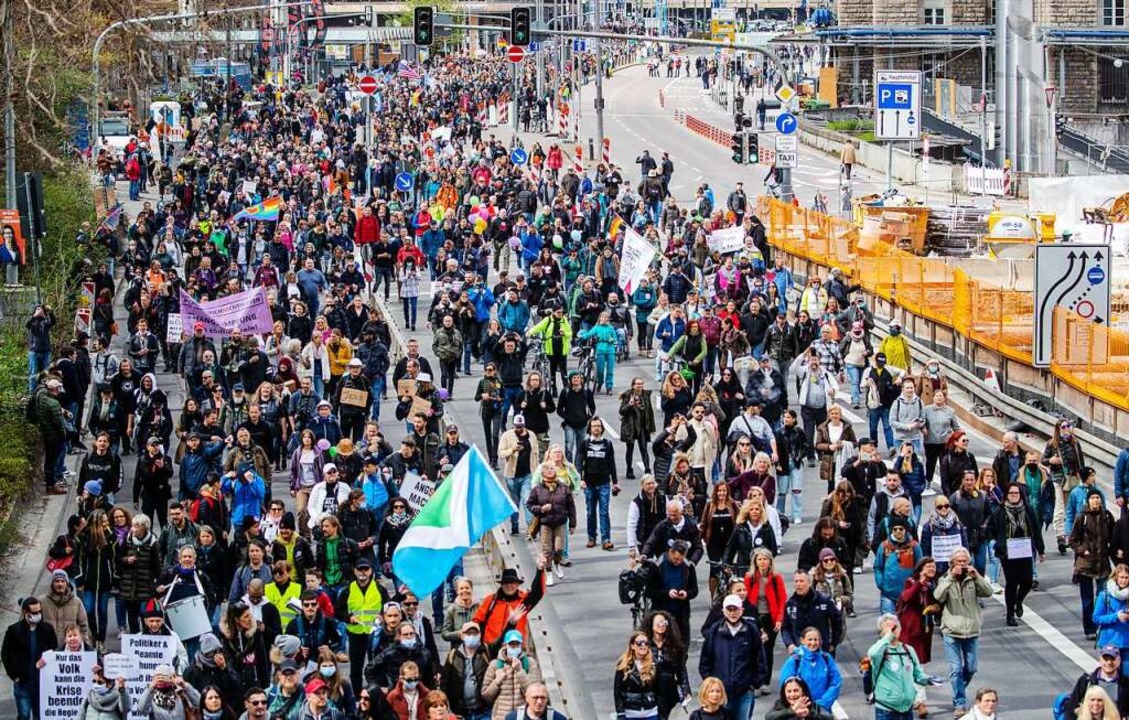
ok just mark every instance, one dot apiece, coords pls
pixel 515 53
pixel 1076 277
pixel 405 182
pixel 787 149
pixel 367 85
pixel 518 156
pixel 898 106
pixel 786 123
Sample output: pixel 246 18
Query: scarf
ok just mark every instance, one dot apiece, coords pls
pixel 1016 516
pixel 1116 592
pixel 942 523
pixel 165 699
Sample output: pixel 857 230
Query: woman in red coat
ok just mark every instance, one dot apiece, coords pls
pixel 916 610
pixel 767 593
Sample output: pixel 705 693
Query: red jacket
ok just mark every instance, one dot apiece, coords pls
pixel 410 252
pixel 400 705
pixel 777 595
pixel 367 231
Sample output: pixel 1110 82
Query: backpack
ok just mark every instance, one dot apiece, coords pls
pixel 31 409
pixel 1058 707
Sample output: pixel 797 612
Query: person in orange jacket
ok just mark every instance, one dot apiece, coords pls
pixel 508 607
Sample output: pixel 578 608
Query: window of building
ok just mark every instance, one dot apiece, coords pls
pixel 934 12
pixel 1113 12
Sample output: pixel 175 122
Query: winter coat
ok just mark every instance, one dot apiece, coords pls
pixel 819 670
pixel 1090 539
pixel 959 600
pixel 893 565
pixel 737 659
pixel 139 564
pixel 897 673
pixel 816 610
pixel 935 527
pixel 505 691
pixel 452 679
pixel 636 421
pixel 917 627
pixel 65 609
pixel 1111 629
pixel 745 540
pixel 826 455
pixel 110 706
pixel 563 508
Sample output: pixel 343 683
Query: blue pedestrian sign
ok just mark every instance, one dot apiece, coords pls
pixel 519 156
pixel 578 45
pixel 786 123
pixel 405 182
pixel 534 47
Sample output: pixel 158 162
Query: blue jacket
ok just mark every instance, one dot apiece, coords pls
pixel 644 299
pixel 928 532
pixel 668 331
pixel 1076 503
pixel 677 287
pixel 604 336
pixel 483 299
pixel 1111 631
pixel 531 244
pixel 376 492
pixel 737 660
pixel 819 671
pixel 194 469
pixel 431 241
pixel 513 317
pixel 246 497
pixel 914 480
pixel 893 565
pixel 1121 475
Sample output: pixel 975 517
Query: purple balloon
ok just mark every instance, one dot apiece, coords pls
pixel 444 395
pixel 323 445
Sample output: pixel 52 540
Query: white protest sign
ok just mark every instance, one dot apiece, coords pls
pixel 116 665
pixel 176 328
pixel 416 491
pixel 150 651
pixel 635 259
pixel 944 546
pixel 63 683
pixel 250 186
pixel 727 240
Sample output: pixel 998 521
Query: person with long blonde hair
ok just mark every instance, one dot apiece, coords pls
pixel 1097 705
pixel 635 678
pixel 753 532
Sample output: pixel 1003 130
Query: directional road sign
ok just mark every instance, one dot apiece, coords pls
pixel 897 110
pixel 1076 277
pixel 534 47
pixel 515 53
pixel 367 84
pixel 405 182
pixel 786 123
pixel 518 156
pixel 578 45
pixel 787 150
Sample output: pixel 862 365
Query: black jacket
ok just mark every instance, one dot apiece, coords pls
pixel 742 544
pixel 454 670
pixel 575 408
pixel 19 660
pixel 664 534
pixel 738 660
pixel 1085 681
pixel 812 610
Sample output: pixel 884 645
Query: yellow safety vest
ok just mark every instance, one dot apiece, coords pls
pixel 280 600
pixel 365 605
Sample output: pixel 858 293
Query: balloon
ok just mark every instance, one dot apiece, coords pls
pixel 323 445
pixel 479 226
pixel 444 395
pixel 576 236
pixel 558 242
pixel 474 201
pixel 333 452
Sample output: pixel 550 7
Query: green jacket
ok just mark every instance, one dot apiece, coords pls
pixel 897 673
pixel 680 345
pixel 960 614
pixel 543 330
pixel 447 344
pixel 49 413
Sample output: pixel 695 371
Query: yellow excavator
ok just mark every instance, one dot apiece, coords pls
pixel 1113 210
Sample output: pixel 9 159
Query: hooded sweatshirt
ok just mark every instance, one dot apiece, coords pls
pixel 62 609
pixel 101 705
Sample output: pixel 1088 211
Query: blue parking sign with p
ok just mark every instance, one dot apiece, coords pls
pixel 895 96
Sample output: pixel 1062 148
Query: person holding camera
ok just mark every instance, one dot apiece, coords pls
pixel 958 593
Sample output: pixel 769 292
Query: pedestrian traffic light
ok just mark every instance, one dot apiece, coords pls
pixel 519 26
pixel 423 26
pixel 739 104
pixel 739 121
pixel 739 144
pixel 754 148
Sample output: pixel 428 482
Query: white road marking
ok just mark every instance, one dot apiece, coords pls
pixel 1054 638
pixel 611 431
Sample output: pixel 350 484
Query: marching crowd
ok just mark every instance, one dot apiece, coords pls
pixel 269 507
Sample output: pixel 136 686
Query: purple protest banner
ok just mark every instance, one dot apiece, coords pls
pixel 248 311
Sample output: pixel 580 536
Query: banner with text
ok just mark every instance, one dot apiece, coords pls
pixel 150 651
pixel 64 680
pixel 727 240
pixel 248 311
pixel 633 263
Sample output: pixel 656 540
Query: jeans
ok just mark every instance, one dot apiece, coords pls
pixel 605 369
pixel 519 488
pixel 812 418
pixel 27 699
pixel 447 371
pixel 134 189
pixel 492 429
pixel 790 484
pixel 741 708
pixel 382 274
pixel 378 385
pixel 98 620
pixel 573 436
pixel 600 495
pixel 881 415
pixel 37 362
pixel 509 397
pixel 710 363
pixel 881 713
pixel 887 604
pixel 468 348
pixel 443 592
pixel 854 374
pixel 980 560
pixel 993 568
pixel 412 304
pixel 644 442
pixel 1086 591
pixel 961 654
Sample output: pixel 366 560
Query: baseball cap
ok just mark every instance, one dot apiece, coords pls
pixel 315 685
pixel 513 636
pixel 356 362
pixel 519 421
pixel 1110 651
pixel 732 601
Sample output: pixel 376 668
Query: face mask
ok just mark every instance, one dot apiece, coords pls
pixel 895 331
pixel 408 643
pixel 399 515
pixel 104 689
pixel 328 671
pixel 472 641
pixel 35 618
pixel 513 652
pixel 410 684
pixel 164 685
pixel 934 371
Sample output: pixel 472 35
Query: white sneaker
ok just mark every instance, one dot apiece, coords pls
pixel 549 579
pixel 560 572
pixel 857 571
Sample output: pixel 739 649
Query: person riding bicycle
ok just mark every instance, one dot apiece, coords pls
pixel 692 349
pixel 605 340
pixel 556 342
pixel 621 321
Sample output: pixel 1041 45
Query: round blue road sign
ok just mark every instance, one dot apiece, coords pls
pixel 786 123
pixel 1095 275
pixel 405 182
pixel 519 156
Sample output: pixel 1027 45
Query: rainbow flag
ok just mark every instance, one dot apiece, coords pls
pixel 615 226
pixel 266 211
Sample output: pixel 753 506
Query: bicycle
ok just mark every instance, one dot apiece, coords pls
pixel 586 363
pixel 633 583
pixel 540 361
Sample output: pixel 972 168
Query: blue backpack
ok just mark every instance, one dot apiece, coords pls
pixel 1058 707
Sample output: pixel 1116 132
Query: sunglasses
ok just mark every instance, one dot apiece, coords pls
pixel 256 703
pixel 411 679
pixel 641 643
pixel 411 603
pixel 941 507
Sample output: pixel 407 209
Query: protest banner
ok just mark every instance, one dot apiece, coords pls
pixel 12 250
pixel 944 546
pixel 175 328
pixel 249 187
pixel 416 491
pixel 116 665
pixel 354 398
pixel 634 261
pixel 248 311
pixel 727 240
pixel 150 651
pixel 419 405
pixel 63 683
pixel 406 387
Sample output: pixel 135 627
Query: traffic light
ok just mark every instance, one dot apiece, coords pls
pixel 754 148
pixel 1060 124
pixel 739 104
pixel 423 26
pixel 519 26
pixel 739 144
